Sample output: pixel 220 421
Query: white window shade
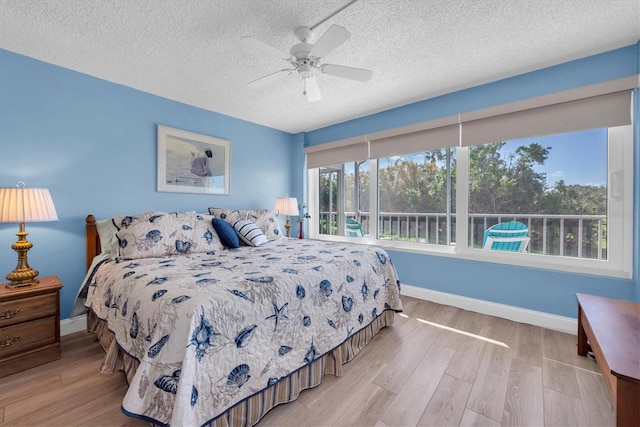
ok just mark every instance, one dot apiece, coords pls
pixel 606 104
pixel 431 135
pixel 609 110
pixel 343 151
pixel 426 140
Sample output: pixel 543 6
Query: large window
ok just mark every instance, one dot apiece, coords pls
pixel 556 185
pixel 343 193
pixel 414 198
pixel 567 190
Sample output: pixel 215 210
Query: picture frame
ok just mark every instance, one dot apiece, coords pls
pixel 190 162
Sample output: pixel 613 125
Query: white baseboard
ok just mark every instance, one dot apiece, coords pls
pixel 75 324
pixel 517 314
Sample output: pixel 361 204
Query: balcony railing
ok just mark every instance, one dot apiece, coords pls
pixel 581 236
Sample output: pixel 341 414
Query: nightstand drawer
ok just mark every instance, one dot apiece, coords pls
pixel 24 309
pixel 28 335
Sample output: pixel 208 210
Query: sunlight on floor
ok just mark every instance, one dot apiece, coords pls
pixel 591 371
pixel 458 331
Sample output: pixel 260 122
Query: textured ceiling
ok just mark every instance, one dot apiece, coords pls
pixel 189 50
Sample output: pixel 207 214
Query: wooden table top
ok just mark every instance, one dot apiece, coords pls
pixel 45 284
pixel 616 326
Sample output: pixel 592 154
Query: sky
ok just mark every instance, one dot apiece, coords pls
pixel 576 157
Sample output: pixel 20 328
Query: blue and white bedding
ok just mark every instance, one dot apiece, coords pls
pixel 211 329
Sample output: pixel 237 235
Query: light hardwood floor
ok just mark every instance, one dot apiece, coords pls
pixel 437 365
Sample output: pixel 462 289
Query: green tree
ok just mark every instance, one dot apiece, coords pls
pixel 506 185
pixel 575 200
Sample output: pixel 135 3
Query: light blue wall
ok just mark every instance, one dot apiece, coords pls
pixel 93 144
pixel 541 290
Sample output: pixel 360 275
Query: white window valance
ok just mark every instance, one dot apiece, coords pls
pixel 337 152
pixel 606 104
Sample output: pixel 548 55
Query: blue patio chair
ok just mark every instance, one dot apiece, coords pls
pixel 512 236
pixel 353 228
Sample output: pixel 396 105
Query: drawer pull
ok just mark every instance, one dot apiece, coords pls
pixel 9 314
pixel 9 341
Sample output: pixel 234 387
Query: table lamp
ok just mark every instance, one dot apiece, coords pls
pixel 20 204
pixel 287 206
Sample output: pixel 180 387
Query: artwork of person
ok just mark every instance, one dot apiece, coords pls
pixel 200 165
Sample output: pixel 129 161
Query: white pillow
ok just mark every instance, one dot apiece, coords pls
pixel 249 232
pixel 108 240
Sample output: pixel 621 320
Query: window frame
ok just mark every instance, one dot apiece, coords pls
pixel 619 218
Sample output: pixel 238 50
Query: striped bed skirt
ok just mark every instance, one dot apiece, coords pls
pixel 249 411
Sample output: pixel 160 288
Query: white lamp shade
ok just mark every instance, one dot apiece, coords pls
pixel 21 204
pixel 287 206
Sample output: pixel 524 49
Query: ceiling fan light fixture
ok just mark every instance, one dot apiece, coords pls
pixel 304 69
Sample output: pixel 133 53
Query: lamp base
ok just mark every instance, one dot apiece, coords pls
pixel 287 226
pixel 22 275
pixel 21 283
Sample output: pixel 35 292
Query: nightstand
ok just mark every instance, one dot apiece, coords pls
pixel 29 325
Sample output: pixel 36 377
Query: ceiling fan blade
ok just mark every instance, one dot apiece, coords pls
pixel 311 89
pixel 331 39
pixel 269 78
pixel 264 47
pixel 352 73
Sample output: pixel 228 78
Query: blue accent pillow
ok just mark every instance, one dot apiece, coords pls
pixel 227 234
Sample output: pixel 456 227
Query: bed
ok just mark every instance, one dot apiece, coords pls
pixel 217 336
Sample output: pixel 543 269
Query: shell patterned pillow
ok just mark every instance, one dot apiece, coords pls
pixel 205 235
pixel 107 229
pixel 163 234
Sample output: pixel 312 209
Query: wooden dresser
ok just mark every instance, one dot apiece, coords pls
pixel 29 325
pixel 612 329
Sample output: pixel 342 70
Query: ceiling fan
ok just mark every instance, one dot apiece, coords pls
pixel 307 58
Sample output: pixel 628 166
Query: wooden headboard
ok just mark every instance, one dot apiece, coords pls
pixel 92 240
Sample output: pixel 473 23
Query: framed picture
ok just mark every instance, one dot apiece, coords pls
pixel 192 163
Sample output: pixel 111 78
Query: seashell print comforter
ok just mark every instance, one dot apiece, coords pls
pixel 210 329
